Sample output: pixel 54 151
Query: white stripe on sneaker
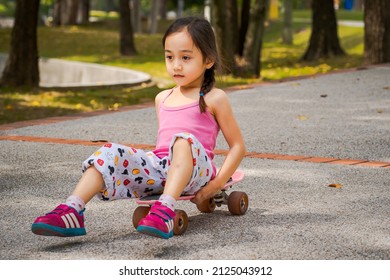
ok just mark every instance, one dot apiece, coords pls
pixel 75 220
pixel 65 221
pixel 70 220
pixel 170 224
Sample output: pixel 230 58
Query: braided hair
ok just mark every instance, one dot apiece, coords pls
pixel 203 37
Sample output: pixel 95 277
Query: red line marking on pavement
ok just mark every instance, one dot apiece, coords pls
pixel 348 161
pixel 374 164
pixel 319 159
pixel 298 158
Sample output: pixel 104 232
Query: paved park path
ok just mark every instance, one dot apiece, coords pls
pixel 317 175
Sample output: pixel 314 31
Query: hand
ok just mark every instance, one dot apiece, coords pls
pixel 208 191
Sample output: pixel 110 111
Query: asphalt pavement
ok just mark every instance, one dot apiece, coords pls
pixel 317 177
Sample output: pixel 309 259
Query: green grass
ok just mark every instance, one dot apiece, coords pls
pixel 340 14
pixel 281 61
pixel 99 43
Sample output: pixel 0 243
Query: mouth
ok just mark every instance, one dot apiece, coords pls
pixel 178 76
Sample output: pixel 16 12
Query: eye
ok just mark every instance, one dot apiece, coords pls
pixel 168 57
pixel 186 57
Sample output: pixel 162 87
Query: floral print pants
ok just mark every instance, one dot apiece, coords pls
pixel 133 173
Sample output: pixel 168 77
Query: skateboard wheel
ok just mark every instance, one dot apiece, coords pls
pixel 238 203
pixel 207 206
pixel 181 222
pixel 139 213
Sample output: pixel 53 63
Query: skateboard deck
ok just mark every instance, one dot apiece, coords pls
pixel 149 200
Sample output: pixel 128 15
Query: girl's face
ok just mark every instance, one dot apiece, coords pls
pixel 184 61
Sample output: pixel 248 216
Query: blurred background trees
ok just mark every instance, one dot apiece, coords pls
pixel 377 31
pixel 324 40
pixel 21 68
pixel 239 31
pixel 239 27
pixel 127 46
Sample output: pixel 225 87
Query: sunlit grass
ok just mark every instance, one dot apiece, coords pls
pixel 282 61
pixel 17 105
pixel 341 14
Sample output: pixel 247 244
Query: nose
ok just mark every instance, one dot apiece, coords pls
pixel 177 65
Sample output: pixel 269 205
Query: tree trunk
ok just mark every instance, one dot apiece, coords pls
pixel 22 68
pixel 69 10
pixel 245 13
pixel 127 46
pixel 84 8
pixel 376 32
pixel 226 30
pixel 153 17
pixel 251 64
pixel 287 35
pixel 57 13
pixel 180 8
pixel 111 6
pixel 324 40
pixel 136 9
pixel 358 5
pixel 163 9
pixel 65 12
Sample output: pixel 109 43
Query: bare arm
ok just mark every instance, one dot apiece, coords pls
pixel 219 104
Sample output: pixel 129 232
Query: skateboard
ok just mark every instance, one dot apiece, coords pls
pixel 236 201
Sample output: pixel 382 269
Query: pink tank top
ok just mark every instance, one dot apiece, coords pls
pixel 186 118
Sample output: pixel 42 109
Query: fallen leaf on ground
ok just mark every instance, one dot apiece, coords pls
pixel 302 118
pixel 337 186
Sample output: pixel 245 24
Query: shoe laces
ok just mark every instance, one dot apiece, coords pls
pixel 160 212
pixel 59 211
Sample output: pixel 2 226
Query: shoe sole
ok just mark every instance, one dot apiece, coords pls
pixel 154 232
pixel 48 230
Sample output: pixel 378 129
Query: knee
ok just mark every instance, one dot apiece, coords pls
pixel 181 145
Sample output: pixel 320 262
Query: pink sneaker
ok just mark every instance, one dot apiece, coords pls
pixel 64 221
pixel 159 222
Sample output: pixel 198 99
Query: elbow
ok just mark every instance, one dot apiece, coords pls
pixel 241 150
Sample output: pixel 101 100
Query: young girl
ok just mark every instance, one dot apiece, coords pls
pixel 190 117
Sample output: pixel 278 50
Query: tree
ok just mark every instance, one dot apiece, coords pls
pixel 180 8
pixel 153 16
pixel 376 31
pixel 324 40
pixel 84 9
pixel 251 59
pixel 163 9
pixel 127 46
pixel 240 38
pixel 287 35
pixel 136 16
pixel 245 14
pixel 22 67
pixel 65 12
pixel 226 29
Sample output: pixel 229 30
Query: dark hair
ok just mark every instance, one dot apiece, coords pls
pixel 203 37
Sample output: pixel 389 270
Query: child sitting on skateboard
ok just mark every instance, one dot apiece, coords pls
pixel 190 116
